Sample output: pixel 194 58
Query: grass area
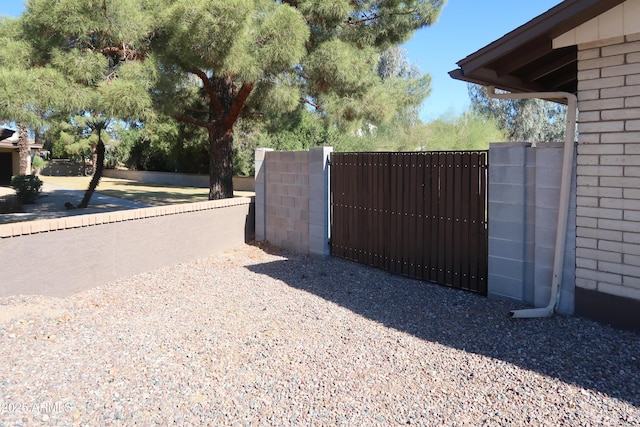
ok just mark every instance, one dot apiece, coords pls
pixel 151 194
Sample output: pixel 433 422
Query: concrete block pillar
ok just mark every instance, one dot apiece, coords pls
pixel 319 198
pixel 261 194
pixel 524 192
pixel 510 229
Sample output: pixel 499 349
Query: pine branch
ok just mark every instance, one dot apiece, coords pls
pixel 239 101
pixel 375 16
pixel 206 82
pixel 191 120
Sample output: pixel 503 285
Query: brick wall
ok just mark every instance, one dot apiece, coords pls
pixel 608 192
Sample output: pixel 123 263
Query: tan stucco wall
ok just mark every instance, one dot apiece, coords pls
pixel 63 256
pixel 240 183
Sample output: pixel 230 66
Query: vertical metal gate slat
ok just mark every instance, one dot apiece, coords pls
pixel 441 252
pixel 352 203
pixel 463 222
pixel 420 219
pixel 434 184
pixel 477 223
pixel 421 215
pixel 377 226
pixel 405 215
pixel 483 231
pixel 413 248
pixel 396 188
pixel 361 222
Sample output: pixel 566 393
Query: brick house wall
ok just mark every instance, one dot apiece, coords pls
pixel 608 181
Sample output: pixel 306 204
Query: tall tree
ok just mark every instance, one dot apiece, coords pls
pixel 208 62
pixel 24 150
pixel 525 120
pixel 394 68
pixel 27 92
pixel 101 50
pixel 271 56
pixel 98 125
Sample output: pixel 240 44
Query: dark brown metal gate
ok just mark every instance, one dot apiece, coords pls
pixel 422 215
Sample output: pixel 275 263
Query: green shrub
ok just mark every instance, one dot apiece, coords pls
pixel 27 187
pixel 38 163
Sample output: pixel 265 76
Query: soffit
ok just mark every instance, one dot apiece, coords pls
pixel 524 60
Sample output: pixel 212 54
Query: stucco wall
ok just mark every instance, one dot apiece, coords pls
pixel 60 167
pixel 59 257
pixel 240 183
pixel 608 215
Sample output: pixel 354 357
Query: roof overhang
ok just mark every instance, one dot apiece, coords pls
pixel 13 145
pixel 524 60
pixel 6 133
pixel 8 146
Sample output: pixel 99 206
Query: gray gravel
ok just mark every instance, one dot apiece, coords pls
pixel 256 336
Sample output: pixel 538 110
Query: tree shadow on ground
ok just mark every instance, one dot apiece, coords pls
pixel 157 198
pixel 574 350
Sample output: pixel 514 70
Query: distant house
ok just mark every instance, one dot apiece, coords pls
pixel 9 155
pixel 590 48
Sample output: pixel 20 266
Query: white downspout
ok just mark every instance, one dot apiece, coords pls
pixel 565 192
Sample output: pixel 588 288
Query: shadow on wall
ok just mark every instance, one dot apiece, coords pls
pixel 474 324
pixel 250 224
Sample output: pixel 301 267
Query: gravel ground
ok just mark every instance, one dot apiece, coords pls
pixel 256 336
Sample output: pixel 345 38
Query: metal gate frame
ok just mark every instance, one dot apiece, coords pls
pixel 420 214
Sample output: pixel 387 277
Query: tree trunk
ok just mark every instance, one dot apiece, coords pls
pixel 23 148
pixel 220 163
pixel 221 140
pixel 97 173
pixel 226 102
pixel 94 156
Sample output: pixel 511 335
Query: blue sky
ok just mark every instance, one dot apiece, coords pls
pixel 464 27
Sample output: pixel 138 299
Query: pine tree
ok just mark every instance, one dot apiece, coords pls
pixel 100 50
pixel 268 57
pixel 209 62
pixel 26 91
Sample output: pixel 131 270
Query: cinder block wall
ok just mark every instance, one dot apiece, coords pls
pixel 59 257
pixel 292 199
pixel 608 216
pixel 524 191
